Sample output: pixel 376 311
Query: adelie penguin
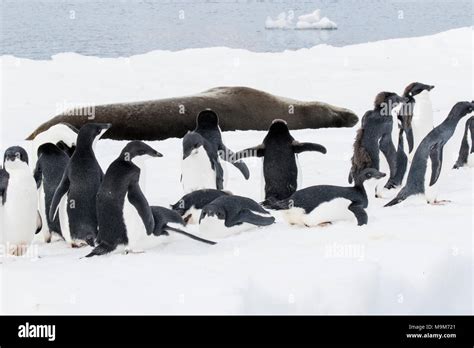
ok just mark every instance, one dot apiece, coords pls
pixel 52 160
pixel 202 148
pixel 124 215
pixel 279 151
pixel 78 188
pixel 19 217
pixel 191 204
pixel 232 214
pixel 466 151
pixel 427 166
pixel 375 135
pixel 325 204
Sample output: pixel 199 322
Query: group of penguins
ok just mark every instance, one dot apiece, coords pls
pixel 68 194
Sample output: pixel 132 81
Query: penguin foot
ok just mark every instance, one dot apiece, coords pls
pixel 442 202
pixel 78 244
pixel 129 251
pixel 325 224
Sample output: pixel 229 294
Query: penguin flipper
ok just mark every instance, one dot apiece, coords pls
pixel 256 151
pixel 39 222
pixel 139 201
pixel 301 147
pixel 101 249
pixel 246 215
pixel 4 177
pixel 359 213
pixel 410 139
pixel 38 173
pixel 61 190
pixel 388 149
pixel 192 236
pixel 436 156
pixel 228 155
pixel 463 150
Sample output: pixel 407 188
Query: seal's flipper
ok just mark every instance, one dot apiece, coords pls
pixel 359 213
pixel 61 190
pixel 436 156
pixel 138 200
pixel 246 215
pixel 301 147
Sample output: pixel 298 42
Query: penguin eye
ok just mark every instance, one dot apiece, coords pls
pixel 368 175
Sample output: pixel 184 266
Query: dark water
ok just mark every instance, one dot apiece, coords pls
pixel 40 29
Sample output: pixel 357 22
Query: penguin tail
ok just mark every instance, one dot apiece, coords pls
pixel 101 249
pixel 192 236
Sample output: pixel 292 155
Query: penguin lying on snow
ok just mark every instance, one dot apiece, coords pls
pixel 232 214
pixel 190 205
pixel 202 148
pixel 124 216
pixel 466 151
pixel 19 216
pixel 279 150
pixel 375 135
pixel 78 187
pixel 427 164
pixel 322 204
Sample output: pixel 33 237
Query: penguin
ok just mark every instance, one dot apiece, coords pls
pixel 279 151
pixel 20 219
pixel 324 204
pixel 375 136
pixel 202 149
pixel 190 205
pixel 427 165
pixel 50 166
pixel 416 116
pixel 63 135
pixel 78 187
pixel 232 214
pixel 124 215
pixel 466 151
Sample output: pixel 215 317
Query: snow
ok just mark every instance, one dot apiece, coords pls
pixel 282 22
pixel 324 23
pixel 410 259
pixel 311 20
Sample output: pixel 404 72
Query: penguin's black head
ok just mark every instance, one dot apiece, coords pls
pixel 15 153
pixel 386 101
pixel 278 128
pixel 416 88
pixel 461 109
pixel 136 149
pixel 91 132
pixel 207 119
pixel 68 150
pixel 368 174
pixel 212 210
pixel 191 142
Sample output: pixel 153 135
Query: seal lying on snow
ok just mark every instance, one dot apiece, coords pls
pixel 240 108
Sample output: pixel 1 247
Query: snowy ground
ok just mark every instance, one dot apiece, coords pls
pixel 411 258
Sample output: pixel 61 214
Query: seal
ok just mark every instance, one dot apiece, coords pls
pixel 240 108
pixel 427 164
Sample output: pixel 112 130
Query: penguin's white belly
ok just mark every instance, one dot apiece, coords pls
pixel 422 122
pixel 64 219
pixel 334 210
pixel 21 209
pixel 470 157
pixel 192 215
pixel 431 192
pixel 212 227
pixel 197 172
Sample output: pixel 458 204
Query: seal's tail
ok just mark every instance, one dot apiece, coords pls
pixel 192 236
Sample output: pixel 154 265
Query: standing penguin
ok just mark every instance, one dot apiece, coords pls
pixel 231 214
pixel 50 166
pixel 124 216
pixel 323 204
pixel 202 148
pixel 375 135
pixel 427 165
pixel 78 187
pixel 20 219
pixel 191 204
pixel 279 150
pixel 466 151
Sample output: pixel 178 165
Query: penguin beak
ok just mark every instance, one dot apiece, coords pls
pixel 380 175
pixel 430 87
pixel 156 154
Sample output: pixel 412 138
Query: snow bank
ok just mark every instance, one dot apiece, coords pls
pixel 412 258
